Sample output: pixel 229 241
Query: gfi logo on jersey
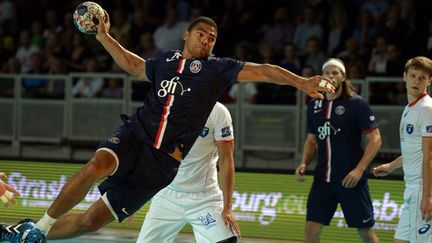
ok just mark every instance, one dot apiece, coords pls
pixel 169 87
pixel 326 130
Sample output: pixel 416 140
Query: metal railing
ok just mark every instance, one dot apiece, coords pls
pixel 260 129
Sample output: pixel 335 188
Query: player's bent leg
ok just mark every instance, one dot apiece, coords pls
pixel 73 225
pixel 368 235
pixel 312 232
pixel 76 188
pixel 229 240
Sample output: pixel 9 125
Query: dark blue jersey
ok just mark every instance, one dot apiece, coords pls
pixel 338 126
pixel 182 96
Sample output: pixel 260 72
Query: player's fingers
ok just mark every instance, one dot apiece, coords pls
pixel 317 95
pixel 107 18
pixel 3 176
pixel 13 190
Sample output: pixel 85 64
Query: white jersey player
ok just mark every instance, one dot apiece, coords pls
pixel 194 196
pixel 415 224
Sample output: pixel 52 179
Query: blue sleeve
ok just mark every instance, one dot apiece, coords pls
pixel 230 69
pixel 366 119
pixel 150 65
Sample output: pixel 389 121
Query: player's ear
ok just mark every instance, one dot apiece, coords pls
pixel 185 35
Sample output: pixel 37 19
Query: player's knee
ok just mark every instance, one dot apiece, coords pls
pixel 229 240
pixel 89 224
pixel 101 164
pixel 313 229
pixel 367 234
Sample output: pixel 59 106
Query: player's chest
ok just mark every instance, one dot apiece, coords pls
pixel 332 119
pixel 184 78
pixel 409 126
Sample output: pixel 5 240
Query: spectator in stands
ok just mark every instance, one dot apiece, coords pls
pixel 7 85
pixel 36 32
pixel 146 47
pixel 280 31
pixel 33 87
pixel 25 51
pixel 307 29
pixel 52 23
pixel 290 59
pixel 169 35
pixel 365 30
pixel 396 29
pixel 88 87
pixel 339 30
pixel 68 33
pixel 140 23
pixel 378 60
pixel 113 89
pixel 120 28
pixel 314 57
pixel 394 60
pixel 75 60
pixel 7 191
pixel 378 8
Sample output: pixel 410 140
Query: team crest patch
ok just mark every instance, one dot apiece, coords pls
pixel 208 220
pixel 114 140
pixel 195 66
pixel 429 129
pixel 226 131
pixel 409 128
pixel 340 110
pixel 372 118
pixel 204 132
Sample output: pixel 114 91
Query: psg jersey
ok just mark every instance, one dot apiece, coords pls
pixel 182 95
pixel 338 126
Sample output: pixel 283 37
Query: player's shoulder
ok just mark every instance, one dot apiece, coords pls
pixel 357 100
pixel 220 109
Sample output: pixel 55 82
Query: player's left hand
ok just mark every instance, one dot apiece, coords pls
pixel 231 221
pixel 314 85
pixel 426 207
pixel 352 178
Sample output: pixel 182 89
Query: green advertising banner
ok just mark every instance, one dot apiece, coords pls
pixel 266 205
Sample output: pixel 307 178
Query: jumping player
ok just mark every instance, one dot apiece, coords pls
pixel 143 155
pixel 416 144
pixel 335 128
pixel 194 196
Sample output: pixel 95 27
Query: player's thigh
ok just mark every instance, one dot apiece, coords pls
pixel 421 230
pixel 209 226
pixel 321 204
pixel 402 232
pixel 163 221
pixel 357 206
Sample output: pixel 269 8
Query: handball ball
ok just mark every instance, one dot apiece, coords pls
pixel 85 19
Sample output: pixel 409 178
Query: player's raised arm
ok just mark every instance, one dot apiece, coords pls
pixel 275 74
pixel 128 61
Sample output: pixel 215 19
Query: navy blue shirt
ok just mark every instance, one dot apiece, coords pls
pixel 181 98
pixel 338 126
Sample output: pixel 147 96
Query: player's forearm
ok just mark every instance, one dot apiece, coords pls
pixel 227 174
pixel 309 152
pixel 373 144
pixel 127 60
pixel 270 74
pixel 427 175
pixel 397 163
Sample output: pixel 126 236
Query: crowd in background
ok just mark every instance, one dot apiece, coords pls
pixel 372 37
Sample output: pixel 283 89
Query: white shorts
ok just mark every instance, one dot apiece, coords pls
pixel 170 211
pixel 411 226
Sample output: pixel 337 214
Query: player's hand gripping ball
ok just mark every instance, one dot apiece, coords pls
pixel 85 19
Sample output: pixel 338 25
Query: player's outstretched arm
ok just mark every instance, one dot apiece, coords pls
pixel 386 169
pixel 277 75
pixel 128 61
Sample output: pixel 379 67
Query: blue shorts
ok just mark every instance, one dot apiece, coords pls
pixel 355 202
pixel 141 173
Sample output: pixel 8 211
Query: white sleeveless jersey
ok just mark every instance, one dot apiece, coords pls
pixel 416 123
pixel 197 172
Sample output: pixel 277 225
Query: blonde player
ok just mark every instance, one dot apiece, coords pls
pixel 416 159
pixel 194 196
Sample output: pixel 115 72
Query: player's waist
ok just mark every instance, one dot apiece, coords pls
pixel 192 188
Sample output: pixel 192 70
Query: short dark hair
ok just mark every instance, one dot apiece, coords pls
pixel 202 19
